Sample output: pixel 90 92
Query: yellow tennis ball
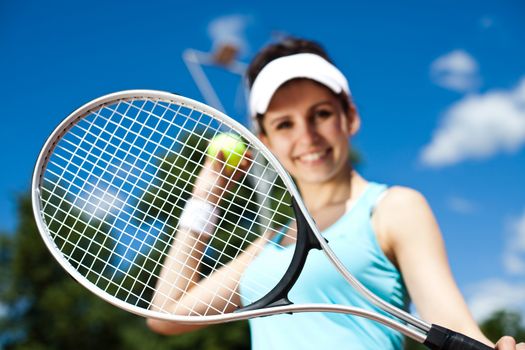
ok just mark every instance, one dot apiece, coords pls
pixel 232 148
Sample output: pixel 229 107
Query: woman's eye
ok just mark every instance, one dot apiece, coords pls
pixel 283 125
pixel 324 113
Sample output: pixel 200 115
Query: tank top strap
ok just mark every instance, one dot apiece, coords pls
pixel 373 195
pixel 365 205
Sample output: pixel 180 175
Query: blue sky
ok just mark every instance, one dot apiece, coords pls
pixel 440 86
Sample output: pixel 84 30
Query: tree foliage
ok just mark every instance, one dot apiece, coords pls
pixel 504 322
pixel 47 309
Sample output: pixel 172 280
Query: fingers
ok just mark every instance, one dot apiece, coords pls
pixel 506 343
pixel 217 176
pixel 509 343
pixel 240 170
pixel 227 167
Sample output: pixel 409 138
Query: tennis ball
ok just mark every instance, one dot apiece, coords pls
pixel 232 148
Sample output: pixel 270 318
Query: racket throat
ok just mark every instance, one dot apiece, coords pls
pixel 306 240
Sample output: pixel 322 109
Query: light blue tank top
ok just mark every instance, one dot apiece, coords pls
pixel 354 241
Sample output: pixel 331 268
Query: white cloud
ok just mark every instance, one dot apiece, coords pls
pixel 495 294
pixel 456 71
pixel 514 255
pixel 229 30
pixel 513 263
pixel 479 126
pixel 492 295
pixel 461 205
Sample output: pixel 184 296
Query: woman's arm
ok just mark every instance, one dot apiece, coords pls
pixel 198 298
pixel 180 289
pixel 407 228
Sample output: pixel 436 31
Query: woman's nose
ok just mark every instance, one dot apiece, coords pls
pixel 308 133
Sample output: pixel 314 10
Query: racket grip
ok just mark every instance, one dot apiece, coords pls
pixel 441 338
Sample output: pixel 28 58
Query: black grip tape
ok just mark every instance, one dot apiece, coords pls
pixel 441 338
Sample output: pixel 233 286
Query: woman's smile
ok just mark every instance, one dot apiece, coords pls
pixel 314 157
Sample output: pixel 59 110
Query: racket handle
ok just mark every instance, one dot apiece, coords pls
pixel 441 338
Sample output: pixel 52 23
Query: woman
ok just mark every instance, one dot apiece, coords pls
pixel 305 116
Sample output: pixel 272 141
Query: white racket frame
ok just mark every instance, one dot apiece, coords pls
pixel 411 326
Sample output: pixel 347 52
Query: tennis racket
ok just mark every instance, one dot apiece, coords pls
pixel 108 192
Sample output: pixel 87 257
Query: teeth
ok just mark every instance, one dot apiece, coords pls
pixel 310 157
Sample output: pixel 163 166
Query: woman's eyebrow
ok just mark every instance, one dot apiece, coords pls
pixel 320 103
pixel 278 119
pixel 313 109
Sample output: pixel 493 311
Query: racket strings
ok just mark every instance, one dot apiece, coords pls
pixel 235 182
pixel 75 175
pixel 280 201
pixel 109 212
pixel 101 200
pixel 145 214
pixel 254 162
pixel 123 202
pixel 181 169
pixel 123 256
pixel 68 213
pixel 141 220
pixel 111 282
pixel 198 122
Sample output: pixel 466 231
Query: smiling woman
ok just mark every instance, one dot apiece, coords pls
pixel 385 236
pixel 307 129
pixel 187 248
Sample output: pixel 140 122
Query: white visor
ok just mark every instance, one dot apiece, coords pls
pixel 283 69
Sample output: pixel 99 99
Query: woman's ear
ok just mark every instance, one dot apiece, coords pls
pixel 262 136
pixel 355 124
pixel 353 120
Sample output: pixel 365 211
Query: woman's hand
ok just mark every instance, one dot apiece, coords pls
pixel 508 343
pixel 215 177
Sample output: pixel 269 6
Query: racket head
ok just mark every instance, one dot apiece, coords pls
pixel 81 186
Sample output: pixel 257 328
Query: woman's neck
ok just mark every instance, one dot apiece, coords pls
pixel 338 190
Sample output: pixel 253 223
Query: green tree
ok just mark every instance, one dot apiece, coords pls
pixel 504 322
pixel 47 309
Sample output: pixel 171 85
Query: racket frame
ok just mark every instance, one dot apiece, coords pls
pixel 411 326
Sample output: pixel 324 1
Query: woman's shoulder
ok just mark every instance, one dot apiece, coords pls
pixel 402 208
pixel 401 198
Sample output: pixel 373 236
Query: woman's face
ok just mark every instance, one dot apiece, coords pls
pixel 307 130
